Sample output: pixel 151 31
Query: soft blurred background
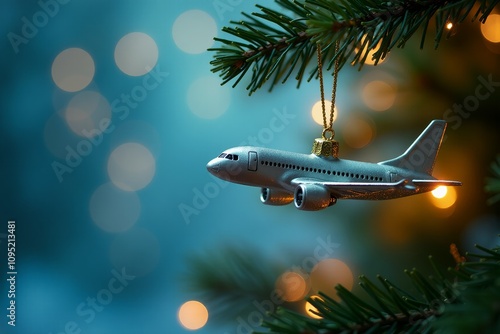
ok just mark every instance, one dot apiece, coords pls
pixel 109 114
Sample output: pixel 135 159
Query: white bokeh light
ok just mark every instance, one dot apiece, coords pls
pixel 114 210
pixel 193 31
pixel 207 99
pixel 131 166
pixel 73 69
pixel 88 114
pixel 136 53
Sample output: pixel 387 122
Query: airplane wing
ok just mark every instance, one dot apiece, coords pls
pixel 375 190
pixel 354 189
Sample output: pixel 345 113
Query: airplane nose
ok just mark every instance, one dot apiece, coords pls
pixel 213 166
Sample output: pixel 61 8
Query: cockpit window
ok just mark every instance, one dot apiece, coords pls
pixel 229 156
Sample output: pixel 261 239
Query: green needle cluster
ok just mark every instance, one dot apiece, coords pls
pixel 275 44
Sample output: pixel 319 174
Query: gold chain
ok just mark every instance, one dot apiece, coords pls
pixel 328 127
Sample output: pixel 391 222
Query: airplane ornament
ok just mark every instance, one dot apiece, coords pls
pixel 315 182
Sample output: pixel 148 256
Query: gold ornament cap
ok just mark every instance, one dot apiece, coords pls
pixel 326 147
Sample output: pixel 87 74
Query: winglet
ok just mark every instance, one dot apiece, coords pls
pixel 421 155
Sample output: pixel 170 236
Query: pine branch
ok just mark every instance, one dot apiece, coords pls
pixel 466 302
pixel 493 183
pixel 460 299
pixel 228 280
pixel 274 45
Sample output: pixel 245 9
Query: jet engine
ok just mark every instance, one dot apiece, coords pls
pixel 275 197
pixel 312 197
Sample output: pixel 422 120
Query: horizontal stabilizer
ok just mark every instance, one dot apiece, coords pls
pixel 436 183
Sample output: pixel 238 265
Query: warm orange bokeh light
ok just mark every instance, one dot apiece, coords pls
pixel 440 192
pixel 369 60
pixel 328 273
pixel 292 286
pixel 310 308
pixel 193 315
pixel 491 28
pixel 444 199
pixel 378 95
pixel 357 132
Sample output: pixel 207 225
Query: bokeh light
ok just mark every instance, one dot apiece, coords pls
pixel 73 69
pixel 193 315
pixel 369 60
pixel 137 249
pixel 444 199
pixel 114 210
pixel 328 273
pixel 292 286
pixel 137 131
pixel 83 219
pixel 207 99
pixel 439 192
pixel 131 166
pixel 310 309
pixel 136 53
pixel 88 114
pixel 491 28
pixel 378 95
pixel 193 31
pixel 358 132
pixel 317 112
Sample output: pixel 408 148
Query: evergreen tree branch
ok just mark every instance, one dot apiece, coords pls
pixel 458 300
pixel 493 183
pixel 274 45
pixel 228 280
pixel 466 302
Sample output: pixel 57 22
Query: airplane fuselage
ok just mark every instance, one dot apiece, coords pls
pixel 316 182
pixel 269 168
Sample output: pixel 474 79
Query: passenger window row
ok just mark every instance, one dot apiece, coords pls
pixel 320 171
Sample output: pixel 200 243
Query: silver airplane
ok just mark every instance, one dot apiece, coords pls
pixel 314 183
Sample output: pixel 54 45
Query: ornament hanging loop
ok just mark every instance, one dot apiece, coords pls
pixel 326 131
pixel 326 146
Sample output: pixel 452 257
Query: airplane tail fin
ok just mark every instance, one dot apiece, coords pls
pixel 420 156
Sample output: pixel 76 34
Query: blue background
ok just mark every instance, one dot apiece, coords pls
pixel 64 257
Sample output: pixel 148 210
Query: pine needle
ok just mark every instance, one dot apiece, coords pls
pixel 268 40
